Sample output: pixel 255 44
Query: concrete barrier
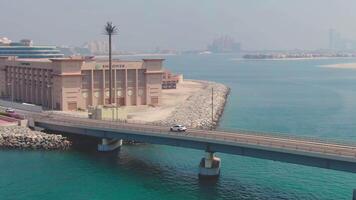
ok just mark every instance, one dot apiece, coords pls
pixel 20 106
pixel 8 121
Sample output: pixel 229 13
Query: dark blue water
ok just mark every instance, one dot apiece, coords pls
pixel 293 97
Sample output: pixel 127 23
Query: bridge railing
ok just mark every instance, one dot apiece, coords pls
pixel 293 136
pixel 165 130
pixel 267 134
pixel 89 123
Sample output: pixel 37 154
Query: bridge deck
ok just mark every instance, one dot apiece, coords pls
pixel 319 149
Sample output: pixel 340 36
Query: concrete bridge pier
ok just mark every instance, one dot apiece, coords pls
pixel 354 194
pixel 109 145
pixel 209 166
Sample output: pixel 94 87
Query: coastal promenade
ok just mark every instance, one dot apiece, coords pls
pixel 311 152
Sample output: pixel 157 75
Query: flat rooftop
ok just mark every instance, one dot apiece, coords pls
pixel 76 58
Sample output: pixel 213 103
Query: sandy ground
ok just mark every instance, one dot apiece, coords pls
pixel 342 66
pixel 171 99
pixel 281 59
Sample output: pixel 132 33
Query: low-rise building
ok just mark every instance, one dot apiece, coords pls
pixel 76 82
pixel 170 80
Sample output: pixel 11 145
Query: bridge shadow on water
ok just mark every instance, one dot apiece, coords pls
pixel 158 176
pixel 152 175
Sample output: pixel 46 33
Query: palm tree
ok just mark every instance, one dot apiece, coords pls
pixel 110 30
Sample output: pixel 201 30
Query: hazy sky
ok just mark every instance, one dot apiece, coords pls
pixel 180 24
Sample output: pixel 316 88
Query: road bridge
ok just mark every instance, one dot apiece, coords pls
pixel 304 151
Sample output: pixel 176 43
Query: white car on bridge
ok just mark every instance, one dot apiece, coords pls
pixel 178 128
pixel 10 110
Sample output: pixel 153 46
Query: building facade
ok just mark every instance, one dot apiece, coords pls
pixel 170 80
pixel 77 83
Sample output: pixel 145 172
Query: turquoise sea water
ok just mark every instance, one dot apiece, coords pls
pixel 293 97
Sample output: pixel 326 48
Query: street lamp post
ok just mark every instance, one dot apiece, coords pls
pixel 212 108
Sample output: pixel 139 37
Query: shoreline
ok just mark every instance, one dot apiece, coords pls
pixel 196 110
pixel 188 105
pixel 136 55
pixel 340 66
pixel 281 59
pixel 18 137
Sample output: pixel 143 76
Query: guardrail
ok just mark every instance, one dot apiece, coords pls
pixel 9 119
pixel 294 136
pixel 267 134
pixel 260 140
pixel 242 131
pixel 20 106
pixel 60 113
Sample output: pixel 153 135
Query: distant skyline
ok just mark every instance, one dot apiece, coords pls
pixel 181 25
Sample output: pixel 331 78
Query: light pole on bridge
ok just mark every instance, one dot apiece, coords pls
pixel 212 108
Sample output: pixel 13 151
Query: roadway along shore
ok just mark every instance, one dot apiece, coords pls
pixel 17 137
pixel 190 105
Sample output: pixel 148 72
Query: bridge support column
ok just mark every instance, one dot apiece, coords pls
pixel 109 144
pixel 209 166
pixel 354 195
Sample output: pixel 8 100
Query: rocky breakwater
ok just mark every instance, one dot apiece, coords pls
pixel 17 137
pixel 196 111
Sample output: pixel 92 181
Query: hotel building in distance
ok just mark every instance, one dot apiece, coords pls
pixel 80 82
pixel 26 49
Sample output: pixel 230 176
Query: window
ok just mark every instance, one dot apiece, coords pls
pixel 107 77
pixel 86 79
pixel 98 79
pixel 120 78
pixel 141 78
pixel 131 78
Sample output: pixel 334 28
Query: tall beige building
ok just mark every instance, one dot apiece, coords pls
pixel 77 83
pixel 98 47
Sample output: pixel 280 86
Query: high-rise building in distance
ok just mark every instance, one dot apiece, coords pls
pixel 98 47
pixel 224 44
pixel 339 43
